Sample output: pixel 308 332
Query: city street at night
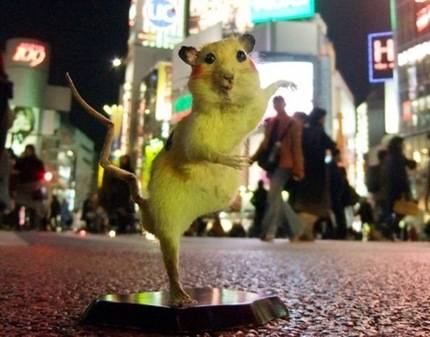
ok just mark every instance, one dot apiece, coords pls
pixel 279 149
pixel 330 288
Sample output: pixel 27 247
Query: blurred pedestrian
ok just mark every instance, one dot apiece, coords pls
pixel 395 185
pixel 89 209
pixel 116 199
pixel 54 211
pixel 237 230
pixel 311 196
pixel 302 118
pixel 259 201
pixel 66 215
pixel 216 230
pixel 201 225
pixel 5 198
pixel 30 193
pixel 283 135
pixel 374 186
pixel 341 195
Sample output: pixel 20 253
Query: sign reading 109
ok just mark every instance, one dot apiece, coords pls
pixel 161 13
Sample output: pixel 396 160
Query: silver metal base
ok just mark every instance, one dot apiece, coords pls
pixel 216 310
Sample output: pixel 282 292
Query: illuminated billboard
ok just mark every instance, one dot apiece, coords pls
pixel 182 107
pixel 28 53
pixel 163 109
pixel 381 56
pixel 275 10
pixel 234 15
pixel 422 12
pixel 301 73
pixel 158 23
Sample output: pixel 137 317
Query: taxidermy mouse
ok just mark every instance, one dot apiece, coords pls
pixel 198 171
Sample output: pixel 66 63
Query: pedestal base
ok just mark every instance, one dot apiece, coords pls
pixel 217 309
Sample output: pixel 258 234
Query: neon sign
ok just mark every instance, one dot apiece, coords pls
pixel 234 15
pixel 161 24
pixel 422 18
pixel 275 10
pixel 414 54
pixel 31 53
pixel 161 13
pixel 381 56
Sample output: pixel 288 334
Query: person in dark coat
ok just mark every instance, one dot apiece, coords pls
pixel 311 195
pixel 237 230
pixel 116 199
pixel 55 211
pixel 30 170
pixel 394 184
pixel 258 200
pixel 339 194
pixel 374 186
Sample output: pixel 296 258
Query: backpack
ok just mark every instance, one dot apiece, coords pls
pixel 268 159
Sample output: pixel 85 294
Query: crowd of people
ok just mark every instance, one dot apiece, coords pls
pixel 389 186
pixel 303 160
pixel 299 157
pixel 27 203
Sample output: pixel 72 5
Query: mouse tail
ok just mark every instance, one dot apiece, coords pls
pixel 105 162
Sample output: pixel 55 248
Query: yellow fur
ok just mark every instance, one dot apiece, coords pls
pixel 199 174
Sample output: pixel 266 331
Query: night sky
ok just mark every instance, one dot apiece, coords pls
pixel 85 35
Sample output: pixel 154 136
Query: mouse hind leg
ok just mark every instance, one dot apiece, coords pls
pixel 169 244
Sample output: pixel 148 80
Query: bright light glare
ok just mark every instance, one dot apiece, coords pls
pixel 357 226
pixel 48 176
pixel 300 73
pixel 149 236
pixel 112 233
pixel 222 215
pixel 116 62
pixel 82 233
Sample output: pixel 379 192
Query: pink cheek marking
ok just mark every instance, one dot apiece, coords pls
pixel 197 71
pixel 252 65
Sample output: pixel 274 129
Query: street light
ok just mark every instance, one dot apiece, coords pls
pixel 116 62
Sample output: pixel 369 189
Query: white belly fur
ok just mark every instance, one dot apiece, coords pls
pixel 176 200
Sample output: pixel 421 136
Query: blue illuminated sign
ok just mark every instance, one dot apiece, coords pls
pixel 281 10
pixel 381 56
pixel 161 13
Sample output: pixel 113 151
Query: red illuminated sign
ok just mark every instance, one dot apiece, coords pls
pixel 31 53
pixel 381 56
pixel 422 9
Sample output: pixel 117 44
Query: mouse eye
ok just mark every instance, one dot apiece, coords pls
pixel 241 56
pixel 210 58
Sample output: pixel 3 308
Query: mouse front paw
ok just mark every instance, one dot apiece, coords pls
pixel 288 85
pixel 236 162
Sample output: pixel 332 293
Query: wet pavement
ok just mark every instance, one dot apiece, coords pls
pixel 330 288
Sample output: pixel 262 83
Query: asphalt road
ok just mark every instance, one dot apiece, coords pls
pixel 330 288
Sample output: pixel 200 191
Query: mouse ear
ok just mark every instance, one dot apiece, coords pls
pixel 247 41
pixel 188 55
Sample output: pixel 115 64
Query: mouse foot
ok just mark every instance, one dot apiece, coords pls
pixel 180 298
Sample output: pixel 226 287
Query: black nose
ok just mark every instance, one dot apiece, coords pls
pixel 228 77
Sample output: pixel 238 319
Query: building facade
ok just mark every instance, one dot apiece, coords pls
pixel 411 24
pixel 41 119
pixel 291 43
